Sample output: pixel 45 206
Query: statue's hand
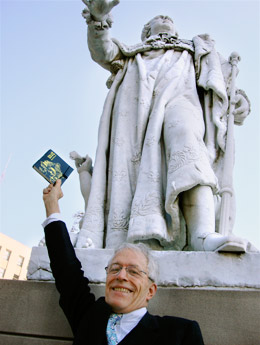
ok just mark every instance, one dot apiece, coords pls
pixel 100 9
pixel 242 109
pixel 82 163
pixel 87 164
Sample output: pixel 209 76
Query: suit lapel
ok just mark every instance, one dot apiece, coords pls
pixel 146 332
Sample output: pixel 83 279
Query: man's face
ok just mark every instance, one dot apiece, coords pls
pixel 161 25
pixel 125 293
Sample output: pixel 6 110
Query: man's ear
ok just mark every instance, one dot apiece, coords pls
pixel 151 292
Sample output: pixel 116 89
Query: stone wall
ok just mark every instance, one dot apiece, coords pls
pixel 30 314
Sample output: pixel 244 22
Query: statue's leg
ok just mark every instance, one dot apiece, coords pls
pixel 199 212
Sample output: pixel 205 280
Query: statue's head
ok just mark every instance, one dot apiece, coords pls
pixel 159 24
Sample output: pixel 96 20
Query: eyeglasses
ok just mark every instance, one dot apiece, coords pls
pixel 131 270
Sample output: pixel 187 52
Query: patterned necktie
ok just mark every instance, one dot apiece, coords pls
pixel 111 328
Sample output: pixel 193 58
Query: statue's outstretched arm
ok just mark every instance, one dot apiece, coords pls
pixel 97 14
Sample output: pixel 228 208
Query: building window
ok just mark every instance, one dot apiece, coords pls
pixel 15 277
pixel 2 272
pixel 20 261
pixel 7 254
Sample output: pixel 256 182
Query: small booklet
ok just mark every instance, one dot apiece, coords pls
pixel 52 167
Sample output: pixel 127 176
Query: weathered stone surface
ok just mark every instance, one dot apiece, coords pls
pixel 183 269
pixel 31 309
pixel 30 314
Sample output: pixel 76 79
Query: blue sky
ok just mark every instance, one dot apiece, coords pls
pixel 52 95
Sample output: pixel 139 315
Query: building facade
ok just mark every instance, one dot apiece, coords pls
pixel 14 258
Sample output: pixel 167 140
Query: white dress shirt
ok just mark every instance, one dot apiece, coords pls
pixel 52 218
pixel 128 322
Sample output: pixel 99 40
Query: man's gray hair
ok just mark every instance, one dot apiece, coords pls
pixel 147 28
pixel 153 269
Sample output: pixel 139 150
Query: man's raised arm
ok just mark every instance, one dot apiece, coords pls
pixel 75 296
pixel 102 48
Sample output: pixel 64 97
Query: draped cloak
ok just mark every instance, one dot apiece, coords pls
pixel 154 142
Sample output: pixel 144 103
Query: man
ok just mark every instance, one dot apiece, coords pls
pixel 158 168
pixel 120 317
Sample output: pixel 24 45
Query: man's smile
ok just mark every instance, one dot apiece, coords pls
pixel 122 289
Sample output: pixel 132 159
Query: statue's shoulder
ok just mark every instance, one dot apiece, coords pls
pixel 204 42
pixel 129 50
pixel 161 41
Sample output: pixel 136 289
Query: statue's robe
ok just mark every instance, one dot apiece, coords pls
pixel 156 140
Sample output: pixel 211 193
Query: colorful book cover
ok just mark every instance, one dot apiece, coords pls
pixel 52 167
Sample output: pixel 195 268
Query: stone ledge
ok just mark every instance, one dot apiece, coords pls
pixel 7 339
pixel 30 314
pixel 180 269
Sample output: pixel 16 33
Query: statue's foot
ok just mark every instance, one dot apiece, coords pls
pixel 215 242
pixel 220 243
pixel 232 247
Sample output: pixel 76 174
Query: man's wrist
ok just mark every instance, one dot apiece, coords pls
pixel 51 208
pixel 99 24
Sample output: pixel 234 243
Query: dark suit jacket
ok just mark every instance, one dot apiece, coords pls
pixel 88 317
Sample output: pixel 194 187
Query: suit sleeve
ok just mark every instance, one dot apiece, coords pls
pixel 75 295
pixel 193 334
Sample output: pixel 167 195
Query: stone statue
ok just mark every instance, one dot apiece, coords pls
pixel 84 168
pixel 159 164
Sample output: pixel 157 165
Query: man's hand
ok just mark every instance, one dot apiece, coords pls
pixel 51 196
pixel 99 9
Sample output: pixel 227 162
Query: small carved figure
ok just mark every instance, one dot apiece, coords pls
pixel 84 168
pixel 162 139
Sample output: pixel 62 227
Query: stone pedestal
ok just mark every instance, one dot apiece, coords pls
pixel 179 269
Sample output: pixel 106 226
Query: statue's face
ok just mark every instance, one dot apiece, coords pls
pixel 161 24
